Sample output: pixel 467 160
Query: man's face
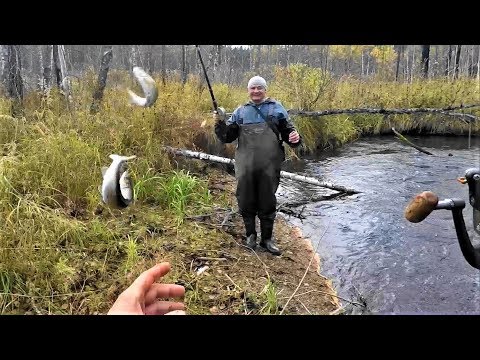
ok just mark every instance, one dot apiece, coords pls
pixel 257 93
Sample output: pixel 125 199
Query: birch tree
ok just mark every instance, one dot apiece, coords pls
pixel 3 63
pixel 163 65
pixel 13 78
pixel 47 61
pixel 150 59
pixel 61 70
pixel 184 65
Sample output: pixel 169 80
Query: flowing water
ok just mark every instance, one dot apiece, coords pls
pixel 375 257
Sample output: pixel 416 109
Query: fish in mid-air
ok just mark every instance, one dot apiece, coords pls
pixel 149 88
pixel 117 186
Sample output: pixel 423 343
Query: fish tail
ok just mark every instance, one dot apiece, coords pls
pixel 121 157
pixel 135 99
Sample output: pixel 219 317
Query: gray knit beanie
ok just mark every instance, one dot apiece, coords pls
pixel 257 81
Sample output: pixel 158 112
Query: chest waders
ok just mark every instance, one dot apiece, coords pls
pixel 258 160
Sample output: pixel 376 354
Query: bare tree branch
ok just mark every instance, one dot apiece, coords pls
pixel 404 139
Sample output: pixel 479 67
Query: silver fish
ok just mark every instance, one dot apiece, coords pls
pixel 117 186
pixel 149 88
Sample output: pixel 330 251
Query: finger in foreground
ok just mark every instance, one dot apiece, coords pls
pixel 164 291
pixel 163 307
pixel 176 312
pixel 145 280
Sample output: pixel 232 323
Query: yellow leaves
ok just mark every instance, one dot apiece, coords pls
pixel 357 50
pixel 340 51
pixel 383 54
pixel 299 86
pixel 348 51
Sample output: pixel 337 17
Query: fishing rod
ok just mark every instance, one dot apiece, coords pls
pixel 424 203
pixel 215 105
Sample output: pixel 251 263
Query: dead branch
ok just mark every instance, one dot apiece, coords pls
pixel 360 297
pixel 293 204
pixel 293 213
pixel 227 217
pixel 206 258
pixel 301 303
pixel 233 282
pixel 404 139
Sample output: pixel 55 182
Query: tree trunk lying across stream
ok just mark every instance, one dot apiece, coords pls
pixel 444 111
pixel 285 174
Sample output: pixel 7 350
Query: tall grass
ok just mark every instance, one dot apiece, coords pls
pixel 269 298
pixel 177 191
pixel 56 250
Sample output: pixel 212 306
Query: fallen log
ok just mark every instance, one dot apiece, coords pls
pixel 285 174
pixel 444 111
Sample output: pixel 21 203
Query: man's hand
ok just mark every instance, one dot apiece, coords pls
pixel 293 137
pixel 219 115
pixel 142 297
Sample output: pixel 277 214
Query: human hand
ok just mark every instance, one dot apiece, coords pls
pixel 141 298
pixel 219 114
pixel 293 137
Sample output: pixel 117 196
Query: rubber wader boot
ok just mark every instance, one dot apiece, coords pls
pixel 250 232
pixel 267 241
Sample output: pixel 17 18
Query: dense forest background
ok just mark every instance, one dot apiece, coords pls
pixel 232 64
